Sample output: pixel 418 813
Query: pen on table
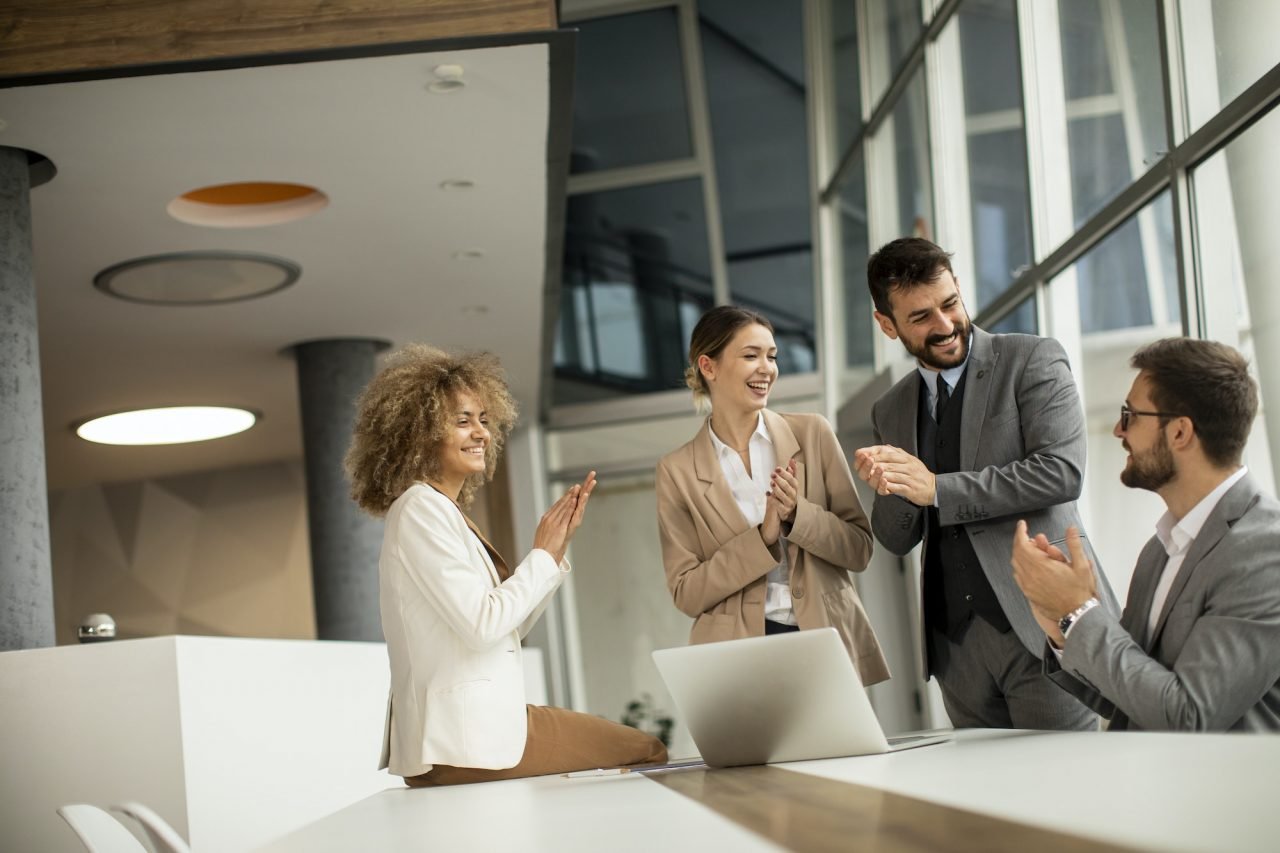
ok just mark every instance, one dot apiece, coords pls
pixel 599 771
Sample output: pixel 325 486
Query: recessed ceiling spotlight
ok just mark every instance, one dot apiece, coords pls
pixel 197 278
pixel 448 79
pixel 468 255
pixel 169 425
pixel 248 204
pixel 457 184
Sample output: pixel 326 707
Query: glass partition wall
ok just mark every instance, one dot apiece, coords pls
pixel 1101 170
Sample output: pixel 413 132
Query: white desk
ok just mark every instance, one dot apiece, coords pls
pixel 1149 791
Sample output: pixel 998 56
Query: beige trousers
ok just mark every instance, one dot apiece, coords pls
pixel 560 741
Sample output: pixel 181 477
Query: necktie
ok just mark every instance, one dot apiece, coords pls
pixel 944 395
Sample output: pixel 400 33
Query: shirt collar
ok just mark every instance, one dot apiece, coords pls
pixel 951 375
pixel 1177 537
pixel 761 433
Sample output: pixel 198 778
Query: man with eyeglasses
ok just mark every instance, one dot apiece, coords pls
pixel 988 429
pixel 1198 646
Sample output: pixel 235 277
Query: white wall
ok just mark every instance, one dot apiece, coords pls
pixel 233 742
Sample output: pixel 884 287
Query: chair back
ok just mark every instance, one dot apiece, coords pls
pixel 99 831
pixel 164 838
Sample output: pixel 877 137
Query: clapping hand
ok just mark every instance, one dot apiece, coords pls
pixel 890 470
pixel 1053 584
pixel 562 520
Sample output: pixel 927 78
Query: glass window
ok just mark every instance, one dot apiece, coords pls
pixel 1130 278
pixel 893 26
pixel 1237 214
pixel 629 92
pixel 847 82
pixel 1022 319
pixel 1228 45
pixel 1123 289
pixel 999 202
pixel 1114 93
pixel 753 55
pixel 635 271
pixel 907 135
pixel 855 249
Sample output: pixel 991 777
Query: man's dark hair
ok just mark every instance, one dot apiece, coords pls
pixel 1207 382
pixel 904 263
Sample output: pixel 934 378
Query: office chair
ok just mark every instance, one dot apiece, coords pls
pixel 164 838
pixel 99 831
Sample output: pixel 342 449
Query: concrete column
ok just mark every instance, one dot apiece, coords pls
pixel 345 541
pixel 26 574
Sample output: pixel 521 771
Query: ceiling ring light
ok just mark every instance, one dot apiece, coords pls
pixel 248 204
pixel 166 425
pixel 197 278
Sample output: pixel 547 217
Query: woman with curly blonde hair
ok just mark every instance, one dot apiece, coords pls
pixel 429 430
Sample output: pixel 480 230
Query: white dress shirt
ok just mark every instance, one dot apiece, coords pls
pixel 749 493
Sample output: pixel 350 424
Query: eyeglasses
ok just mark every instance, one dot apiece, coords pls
pixel 1127 414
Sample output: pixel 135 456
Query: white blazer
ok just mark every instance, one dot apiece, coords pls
pixel 453 639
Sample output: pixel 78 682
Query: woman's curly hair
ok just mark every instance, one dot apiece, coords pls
pixel 405 413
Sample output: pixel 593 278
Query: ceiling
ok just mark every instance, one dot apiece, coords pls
pixel 379 262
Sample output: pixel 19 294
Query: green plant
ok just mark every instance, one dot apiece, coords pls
pixel 641 714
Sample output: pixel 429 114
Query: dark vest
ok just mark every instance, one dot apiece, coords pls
pixel 955 587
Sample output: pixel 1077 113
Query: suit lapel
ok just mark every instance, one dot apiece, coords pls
pixel 901 413
pixel 983 360
pixel 715 487
pixel 1233 504
pixel 497 567
pixel 1146 577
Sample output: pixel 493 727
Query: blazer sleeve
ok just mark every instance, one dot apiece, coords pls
pixel 698 585
pixel 1230 659
pixel 436 557
pixel 1050 470
pixel 897 523
pixel 532 619
pixel 839 532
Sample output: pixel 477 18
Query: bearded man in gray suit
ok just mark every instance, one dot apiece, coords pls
pixel 1198 647
pixel 988 430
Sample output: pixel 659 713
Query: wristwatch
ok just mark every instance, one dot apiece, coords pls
pixel 1065 623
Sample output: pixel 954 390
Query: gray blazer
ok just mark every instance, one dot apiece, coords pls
pixel 1022 447
pixel 1213 662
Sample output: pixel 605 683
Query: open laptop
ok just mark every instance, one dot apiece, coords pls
pixel 786 697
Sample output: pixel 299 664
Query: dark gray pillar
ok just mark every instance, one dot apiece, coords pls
pixel 345 541
pixel 26 574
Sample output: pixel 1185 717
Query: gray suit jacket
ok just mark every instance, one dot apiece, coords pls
pixel 1213 662
pixel 1022 448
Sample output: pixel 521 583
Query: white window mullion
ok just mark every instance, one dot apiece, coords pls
pixel 703 149
pixel 948 143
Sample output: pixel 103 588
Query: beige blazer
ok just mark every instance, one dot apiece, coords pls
pixel 716 563
pixel 453 639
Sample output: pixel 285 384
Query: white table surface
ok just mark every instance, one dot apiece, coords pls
pixel 1146 790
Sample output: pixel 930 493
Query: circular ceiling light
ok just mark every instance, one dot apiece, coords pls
pixel 197 278
pixel 170 425
pixel 251 204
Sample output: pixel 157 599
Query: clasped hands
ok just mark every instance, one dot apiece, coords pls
pixel 1053 583
pixel 890 470
pixel 781 501
pixel 561 521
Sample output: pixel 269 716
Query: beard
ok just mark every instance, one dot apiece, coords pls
pixel 928 358
pixel 1150 470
